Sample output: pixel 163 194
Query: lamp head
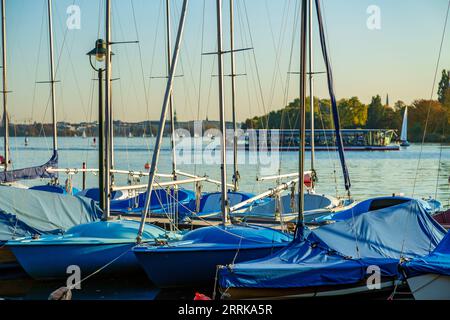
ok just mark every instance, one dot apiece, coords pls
pixel 99 51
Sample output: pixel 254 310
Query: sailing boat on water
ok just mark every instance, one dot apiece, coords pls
pixel 404 134
pixel 335 259
pixel 429 277
pixel 199 251
pixel 98 245
pixel 9 177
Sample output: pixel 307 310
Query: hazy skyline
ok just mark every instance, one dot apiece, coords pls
pixel 399 59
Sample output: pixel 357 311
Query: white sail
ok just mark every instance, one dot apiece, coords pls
pixel 404 134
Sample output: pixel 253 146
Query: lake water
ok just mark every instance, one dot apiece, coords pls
pixel 371 173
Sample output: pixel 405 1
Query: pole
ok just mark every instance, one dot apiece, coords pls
pixel 84 176
pixel 101 142
pixel 163 118
pixel 302 118
pixel 236 175
pixel 52 76
pixel 5 92
pixel 107 132
pixel 311 88
pixel 171 109
pixel 223 168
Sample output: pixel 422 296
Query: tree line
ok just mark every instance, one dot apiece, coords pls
pixel 432 115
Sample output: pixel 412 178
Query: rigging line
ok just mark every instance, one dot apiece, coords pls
pixel 431 98
pixel 440 159
pixel 153 55
pixel 259 95
pixel 37 64
pixel 254 59
pixel 140 54
pixel 277 47
pixel 200 78
pixel 288 75
pixel 187 55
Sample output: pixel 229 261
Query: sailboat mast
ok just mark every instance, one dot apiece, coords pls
pixel 223 168
pixel 107 133
pixel 162 121
pixel 52 76
pixel 171 109
pixel 311 86
pixel 302 118
pixel 5 90
pixel 233 99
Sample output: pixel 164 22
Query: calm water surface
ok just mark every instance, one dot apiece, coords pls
pixel 371 173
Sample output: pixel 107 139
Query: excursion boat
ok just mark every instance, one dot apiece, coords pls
pixel 102 245
pixel 335 259
pixel 429 277
pixel 325 140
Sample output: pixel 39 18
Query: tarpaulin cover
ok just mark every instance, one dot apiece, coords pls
pixel 341 253
pixel 438 262
pixel 39 172
pixel 25 212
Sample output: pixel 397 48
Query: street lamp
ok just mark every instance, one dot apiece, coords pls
pixel 100 52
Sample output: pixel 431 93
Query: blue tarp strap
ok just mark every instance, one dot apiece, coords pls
pixel 336 120
pixel 39 172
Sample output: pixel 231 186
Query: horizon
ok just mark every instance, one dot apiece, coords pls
pixel 398 60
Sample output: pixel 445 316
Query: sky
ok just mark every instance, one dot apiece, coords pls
pixel 399 58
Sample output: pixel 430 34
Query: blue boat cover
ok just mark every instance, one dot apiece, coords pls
pixel 340 253
pixel 39 172
pixel 25 212
pixel 437 262
pixel 431 207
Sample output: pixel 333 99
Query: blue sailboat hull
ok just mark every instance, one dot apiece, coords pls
pixel 200 251
pixel 102 245
pixel 52 262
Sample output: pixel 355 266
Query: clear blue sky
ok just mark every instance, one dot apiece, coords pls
pixel 398 59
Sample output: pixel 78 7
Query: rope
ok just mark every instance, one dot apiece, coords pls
pixel 99 270
pixel 431 98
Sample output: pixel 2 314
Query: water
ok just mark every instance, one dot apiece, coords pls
pixel 372 174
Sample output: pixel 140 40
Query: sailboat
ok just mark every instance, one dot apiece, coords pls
pixel 429 277
pixel 404 134
pixel 101 245
pixel 336 259
pixel 282 208
pixel 199 251
pixel 10 177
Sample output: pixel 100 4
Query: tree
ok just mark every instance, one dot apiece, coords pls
pixel 375 113
pixel 444 87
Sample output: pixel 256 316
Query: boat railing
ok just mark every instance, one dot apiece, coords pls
pixel 192 178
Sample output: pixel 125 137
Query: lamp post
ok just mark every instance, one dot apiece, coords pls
pixel 99 52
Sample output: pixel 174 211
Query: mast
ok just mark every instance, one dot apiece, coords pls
pixel 302 118
pixel 5 90
pixel 223 168
pixel 163 118
pixel 52 76
pixel 236 175
pixel 311 87
pixel 171 109
pixel 107 132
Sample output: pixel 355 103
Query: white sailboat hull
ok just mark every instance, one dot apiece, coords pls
pixel 430 287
